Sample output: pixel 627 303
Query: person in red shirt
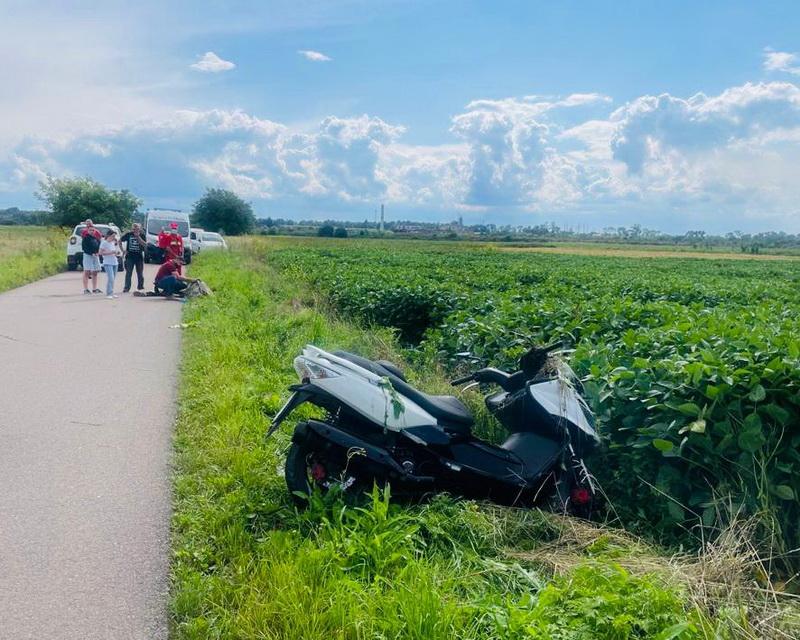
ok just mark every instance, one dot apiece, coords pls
pixel 170 242
pixel 163 242
pixel 91 261
pixel 169 279
pixel 175 246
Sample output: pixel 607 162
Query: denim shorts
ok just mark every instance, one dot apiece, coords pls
pixel 91 262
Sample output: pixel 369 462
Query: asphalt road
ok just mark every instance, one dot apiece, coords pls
pixel 87 405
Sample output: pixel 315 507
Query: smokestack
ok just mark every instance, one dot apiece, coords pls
pixel 381 217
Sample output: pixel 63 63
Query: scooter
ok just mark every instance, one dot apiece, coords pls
pixel 379 429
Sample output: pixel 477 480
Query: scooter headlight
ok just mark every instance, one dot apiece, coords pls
pixel 310 370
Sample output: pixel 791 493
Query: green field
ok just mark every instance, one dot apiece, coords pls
pixel 653 338
pixel 692 366
pixel 30 253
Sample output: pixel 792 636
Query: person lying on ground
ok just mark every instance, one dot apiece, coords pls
pixel 169 279
pixel 90 245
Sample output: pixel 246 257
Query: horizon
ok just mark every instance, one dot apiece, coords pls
pixel 674 117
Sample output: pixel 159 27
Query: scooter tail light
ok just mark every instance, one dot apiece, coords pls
pixel 580 496
pixel 309 370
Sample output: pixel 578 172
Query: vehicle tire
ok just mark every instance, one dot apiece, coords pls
pixel 296 473
pixel 187 257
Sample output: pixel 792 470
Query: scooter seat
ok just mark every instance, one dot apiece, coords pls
pixel 449 410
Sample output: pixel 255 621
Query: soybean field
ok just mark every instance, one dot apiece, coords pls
pixel 692 366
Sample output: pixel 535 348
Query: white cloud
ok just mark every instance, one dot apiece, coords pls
pixel 210 62
pixel 729 157
pixel 314 56
pixel 781 61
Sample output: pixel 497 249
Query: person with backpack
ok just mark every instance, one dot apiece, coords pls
pixel 134 256
pixel 90 246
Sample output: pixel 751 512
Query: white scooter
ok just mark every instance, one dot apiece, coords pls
pixel 378 428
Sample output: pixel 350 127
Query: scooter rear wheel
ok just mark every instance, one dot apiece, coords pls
pixel 297 474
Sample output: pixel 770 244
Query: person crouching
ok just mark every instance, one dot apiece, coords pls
pixel 169 279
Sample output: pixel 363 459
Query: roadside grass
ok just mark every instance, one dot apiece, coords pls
pixel 30 253
pixel 247 564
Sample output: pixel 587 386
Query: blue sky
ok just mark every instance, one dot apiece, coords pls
pixel 676 116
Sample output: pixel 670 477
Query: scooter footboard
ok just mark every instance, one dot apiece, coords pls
pixel 538 454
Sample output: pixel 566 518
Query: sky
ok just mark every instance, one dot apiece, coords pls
pixel 672 115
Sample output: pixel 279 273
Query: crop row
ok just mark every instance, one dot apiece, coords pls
pixel 692 366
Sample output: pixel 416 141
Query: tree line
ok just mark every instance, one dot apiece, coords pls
pixel 70 201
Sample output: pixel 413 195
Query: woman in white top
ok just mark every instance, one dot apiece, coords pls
pixel 109 249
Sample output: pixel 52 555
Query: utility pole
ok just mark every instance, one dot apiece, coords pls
pixel 381 227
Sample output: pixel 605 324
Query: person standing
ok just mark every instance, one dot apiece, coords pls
pixel 109 249
pixel 135 246
pixel 90 245
pixel 163 243
pixel 175 246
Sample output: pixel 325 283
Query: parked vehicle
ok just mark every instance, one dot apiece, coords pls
pixel 74 249
pixel 379 428
pixel 196 237
pixel 157 219
pixel 213 241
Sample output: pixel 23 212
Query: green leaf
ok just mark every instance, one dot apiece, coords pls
pixel 689 408
pixel 781 415
pixel 664 446
pixel 757 393
pixel 751 437
pixel 784 492
pixel 698 426
pixel 675 631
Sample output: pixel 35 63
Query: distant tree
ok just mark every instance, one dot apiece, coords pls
pixel 326 231
pixel 73 200
pixel 222 210
pixel 340 232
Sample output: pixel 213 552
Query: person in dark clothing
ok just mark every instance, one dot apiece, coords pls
pixel 135 245
pixel 169 279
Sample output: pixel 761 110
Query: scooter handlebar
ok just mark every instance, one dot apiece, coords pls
pixel 459 381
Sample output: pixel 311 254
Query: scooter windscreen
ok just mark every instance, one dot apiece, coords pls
pixel 561 401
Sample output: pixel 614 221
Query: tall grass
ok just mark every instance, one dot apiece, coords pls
pixel 30 253
pixel 246 564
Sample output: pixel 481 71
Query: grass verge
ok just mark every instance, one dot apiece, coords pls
pixel 30 253
pixel 246 564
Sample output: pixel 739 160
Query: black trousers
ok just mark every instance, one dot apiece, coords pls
pixel 132 261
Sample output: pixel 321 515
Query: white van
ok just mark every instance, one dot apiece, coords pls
pixel 157 219
pixel 197 239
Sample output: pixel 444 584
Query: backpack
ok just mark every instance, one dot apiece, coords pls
pixel 90 245
pixel 197 290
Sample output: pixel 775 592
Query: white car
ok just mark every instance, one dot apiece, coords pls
pixel 74 249
pixel 213 241
pixel 196 236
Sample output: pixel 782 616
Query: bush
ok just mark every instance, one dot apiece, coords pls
pixel 340 232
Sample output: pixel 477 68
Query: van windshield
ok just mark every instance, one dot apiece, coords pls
pixel 154 226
